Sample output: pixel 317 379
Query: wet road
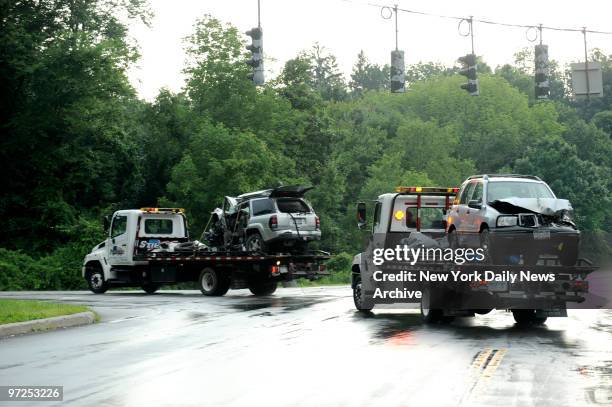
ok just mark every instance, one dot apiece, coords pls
pixel 307 347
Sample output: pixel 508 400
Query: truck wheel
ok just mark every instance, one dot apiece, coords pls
pixel 523 316
pixel 150 288
pixel 487 246
pixel 429 312
pixel 569 255
pixel 538 320
pixel 362 303
pixel 213 283
pixel 95 279
pixel 263 288
pixel 453 239
pixel 255 243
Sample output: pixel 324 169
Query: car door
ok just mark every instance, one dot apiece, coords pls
pixel 460 221
pixel 473 217
pixel 118 240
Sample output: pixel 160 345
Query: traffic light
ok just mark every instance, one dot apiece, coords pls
pixel 542 86
pixel 469 71
pixel 398 81
pixel 256 61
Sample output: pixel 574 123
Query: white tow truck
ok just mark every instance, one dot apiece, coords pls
pixel 418 217
pixel 150 247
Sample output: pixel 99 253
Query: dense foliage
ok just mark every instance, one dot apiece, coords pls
pixel 77 143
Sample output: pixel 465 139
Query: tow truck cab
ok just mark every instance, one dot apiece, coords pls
pixel 132 231
pixel 409 209
pixel 395 215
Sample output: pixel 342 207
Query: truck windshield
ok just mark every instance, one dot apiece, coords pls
pixel 289 205
pixel 516 189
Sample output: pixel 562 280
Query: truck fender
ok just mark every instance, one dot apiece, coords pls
pixel 356 268
pixel 96 258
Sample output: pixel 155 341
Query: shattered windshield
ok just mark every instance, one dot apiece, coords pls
pixel 516 189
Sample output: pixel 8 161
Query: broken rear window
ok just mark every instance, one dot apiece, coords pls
pixel 158 226
pixel 292 206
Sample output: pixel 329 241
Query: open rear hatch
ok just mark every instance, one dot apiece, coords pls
pixel 290 191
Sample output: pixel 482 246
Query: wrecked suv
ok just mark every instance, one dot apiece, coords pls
pixel 512 216
pixel 271 220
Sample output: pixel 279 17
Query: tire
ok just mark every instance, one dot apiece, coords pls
pixel 212 283
pixel 539 320
pixel 429 313
pixel 362 303
pixel 263 288
pixel 523 316
pixel 569 255
pixel 150 288
pixel 255 243
pixel 453 239
pixel 95 279
pixel 487 246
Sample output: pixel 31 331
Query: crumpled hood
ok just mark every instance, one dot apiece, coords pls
pixel 544 206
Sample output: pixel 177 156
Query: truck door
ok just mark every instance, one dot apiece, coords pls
pixel 460 220
pixel 118 240
pixel 377 238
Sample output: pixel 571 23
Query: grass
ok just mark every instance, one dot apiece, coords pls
pixel 25 310
pixel 336 278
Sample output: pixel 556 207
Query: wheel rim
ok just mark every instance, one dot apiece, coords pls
pixel 96 280
pixel 254 244
pixel 208 281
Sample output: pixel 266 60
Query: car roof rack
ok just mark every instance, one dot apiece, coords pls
pixel 485 176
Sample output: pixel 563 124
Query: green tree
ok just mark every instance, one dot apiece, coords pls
pixel 580 181
pixel 367 76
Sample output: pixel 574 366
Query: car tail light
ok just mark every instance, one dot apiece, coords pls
pixel 317 222
pixel 275 270
pixel 273 222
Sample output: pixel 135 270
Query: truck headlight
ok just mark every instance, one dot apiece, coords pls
pixel 503 221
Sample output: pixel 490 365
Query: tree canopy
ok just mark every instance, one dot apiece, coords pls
pixel 78 143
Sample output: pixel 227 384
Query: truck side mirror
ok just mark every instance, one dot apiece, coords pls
pixel 475 204
pixel 361 215
pixel 106 222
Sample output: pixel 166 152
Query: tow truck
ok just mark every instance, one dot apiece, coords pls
pixel 150 247
pixel 417 217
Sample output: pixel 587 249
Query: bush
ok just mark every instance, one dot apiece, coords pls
pixel 340 268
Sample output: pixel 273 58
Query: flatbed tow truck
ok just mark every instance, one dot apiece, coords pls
pixel 150 247
pixel 420 212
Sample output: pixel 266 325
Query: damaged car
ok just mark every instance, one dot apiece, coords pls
pixel 266 221
pixel 513 217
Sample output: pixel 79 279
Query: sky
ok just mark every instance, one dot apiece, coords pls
pixel 344 27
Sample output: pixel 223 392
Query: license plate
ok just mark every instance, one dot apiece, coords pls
pixel 541 234
pixel 300 221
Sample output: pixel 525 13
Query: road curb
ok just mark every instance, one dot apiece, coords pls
pixel 47 324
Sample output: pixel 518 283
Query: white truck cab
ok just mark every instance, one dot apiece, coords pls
pixel 113 261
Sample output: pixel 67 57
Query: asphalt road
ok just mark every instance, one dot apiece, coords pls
pixel 306 347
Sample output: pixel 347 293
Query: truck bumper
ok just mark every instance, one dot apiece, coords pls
pixel 539 240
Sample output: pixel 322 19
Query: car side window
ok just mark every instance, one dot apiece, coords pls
pixel 263 207
pixel 467 191
pixel 477 193
pixel 376 216
pixel 119 225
